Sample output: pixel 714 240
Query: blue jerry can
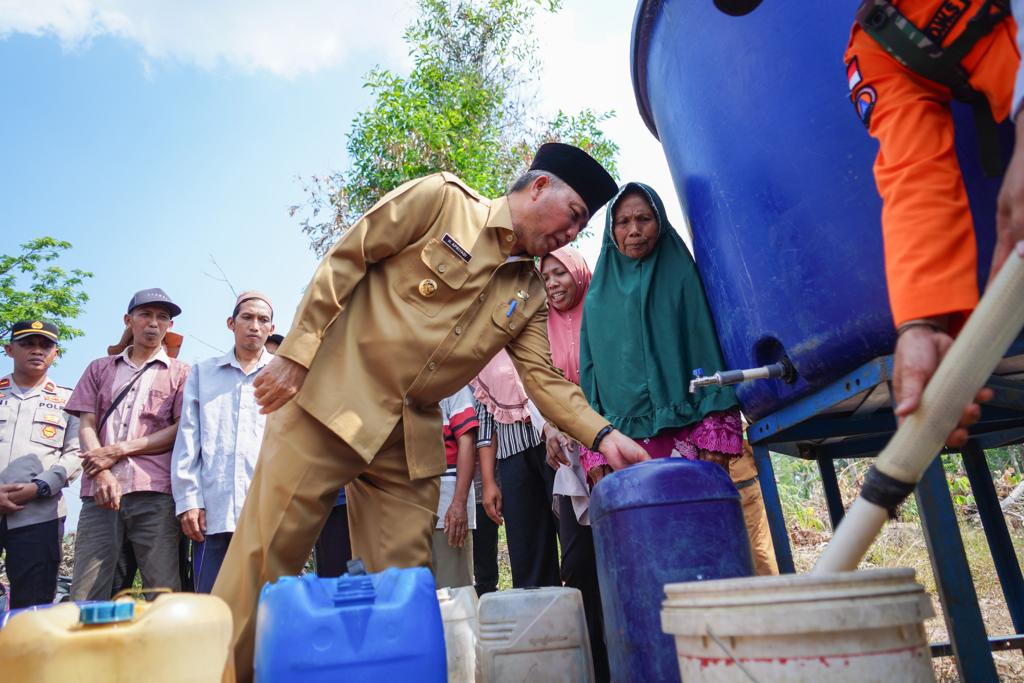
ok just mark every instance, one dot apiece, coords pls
pixel 372 628
pixel 662 521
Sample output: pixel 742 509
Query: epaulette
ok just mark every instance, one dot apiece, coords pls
pixel 456 180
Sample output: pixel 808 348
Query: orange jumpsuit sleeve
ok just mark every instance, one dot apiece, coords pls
pixel 930 252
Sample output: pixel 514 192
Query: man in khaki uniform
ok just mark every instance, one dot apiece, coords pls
pixel 406 308
pixel 38 457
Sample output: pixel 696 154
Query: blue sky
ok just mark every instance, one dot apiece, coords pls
pixel 154 138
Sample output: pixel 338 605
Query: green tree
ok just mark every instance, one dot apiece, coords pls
pixel 462 108
pixel 29 288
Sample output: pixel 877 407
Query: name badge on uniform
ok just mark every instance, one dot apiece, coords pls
pixel 456 248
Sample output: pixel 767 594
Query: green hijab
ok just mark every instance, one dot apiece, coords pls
pixel 646 327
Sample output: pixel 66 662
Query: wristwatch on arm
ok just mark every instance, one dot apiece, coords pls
pixel 43 489
pixel 600 437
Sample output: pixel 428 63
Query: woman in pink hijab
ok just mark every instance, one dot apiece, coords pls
pixel 567 277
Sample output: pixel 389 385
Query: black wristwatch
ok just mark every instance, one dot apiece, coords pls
pixel 42 488
pixel 600 436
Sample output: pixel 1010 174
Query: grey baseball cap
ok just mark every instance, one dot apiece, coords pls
pixel 154 297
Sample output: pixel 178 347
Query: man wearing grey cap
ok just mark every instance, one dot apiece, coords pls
pixel 129 406
pixel 406 308
pixel 38 457
pixel 219 438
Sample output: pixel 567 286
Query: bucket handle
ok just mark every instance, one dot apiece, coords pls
pixel 730 655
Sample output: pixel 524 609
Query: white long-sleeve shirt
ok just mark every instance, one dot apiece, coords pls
pixel 218 440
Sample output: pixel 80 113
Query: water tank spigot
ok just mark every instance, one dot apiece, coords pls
pixel 783 370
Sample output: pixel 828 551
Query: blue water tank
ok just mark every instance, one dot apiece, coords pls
pixel 661 521
pixel 370 629
pixel 773 169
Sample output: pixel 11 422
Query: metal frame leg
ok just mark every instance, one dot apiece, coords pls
pixel 953 578
pixel 773 508
pixel 998 535
pixel 830 484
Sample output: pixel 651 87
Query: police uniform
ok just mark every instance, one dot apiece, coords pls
pixel 38 444
pixel 404 310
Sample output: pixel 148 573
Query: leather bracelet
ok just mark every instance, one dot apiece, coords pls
pixel 600 437
pixel 918 323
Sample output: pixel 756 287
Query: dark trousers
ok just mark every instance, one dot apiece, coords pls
pixel 33 557
pixel 579 570
pixel 530 525
pixel 333 547
pixel 207 557
pixel 485 553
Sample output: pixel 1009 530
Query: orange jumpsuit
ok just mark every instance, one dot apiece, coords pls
pixel 930 254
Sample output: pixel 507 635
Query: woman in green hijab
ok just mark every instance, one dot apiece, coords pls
pixel 646 327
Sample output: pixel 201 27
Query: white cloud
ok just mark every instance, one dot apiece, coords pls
pixel 283 38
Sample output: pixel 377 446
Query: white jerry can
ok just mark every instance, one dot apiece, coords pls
pixel 458 612
pixel 534 635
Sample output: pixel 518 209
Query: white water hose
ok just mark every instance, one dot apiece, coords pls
pixel 967 366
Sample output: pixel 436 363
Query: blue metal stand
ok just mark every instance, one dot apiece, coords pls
pixel 852 417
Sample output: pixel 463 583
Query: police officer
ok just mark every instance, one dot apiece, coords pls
pixel 38 457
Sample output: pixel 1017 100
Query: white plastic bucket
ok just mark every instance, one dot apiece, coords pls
pixel 851 626
pixel 534 635
pixel 458 612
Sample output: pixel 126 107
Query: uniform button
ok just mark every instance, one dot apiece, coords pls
pixel 511 326
pixel 482 296
pixel 431 365
pixel 509 238
pixel 442 268
pixel 458 329
pixel 408 401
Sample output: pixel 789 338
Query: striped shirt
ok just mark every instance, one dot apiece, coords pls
pixel 458 417
pixel 511 438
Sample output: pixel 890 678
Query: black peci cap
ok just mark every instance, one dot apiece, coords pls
pixel 26 328
pixel 154 297
pixel 578 170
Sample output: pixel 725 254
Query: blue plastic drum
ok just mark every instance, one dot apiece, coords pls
pixel 661 521
pixel 773 168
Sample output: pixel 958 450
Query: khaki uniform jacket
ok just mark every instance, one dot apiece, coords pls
pixel 38 440
pixel 395 319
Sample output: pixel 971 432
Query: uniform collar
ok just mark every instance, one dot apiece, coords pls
pixel 46 386
pixel 160 356
pixel 500 218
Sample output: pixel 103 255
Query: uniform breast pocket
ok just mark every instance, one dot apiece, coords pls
pixel 504 327
pixel 430 284
pixel 4 422
pixel 48 427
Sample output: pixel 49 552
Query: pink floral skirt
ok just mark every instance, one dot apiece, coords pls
pixel 720 432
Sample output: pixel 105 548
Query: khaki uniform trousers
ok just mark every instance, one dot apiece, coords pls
pixel 300 469
pixel 757 528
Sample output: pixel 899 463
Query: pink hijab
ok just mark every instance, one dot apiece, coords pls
pixel 564 326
